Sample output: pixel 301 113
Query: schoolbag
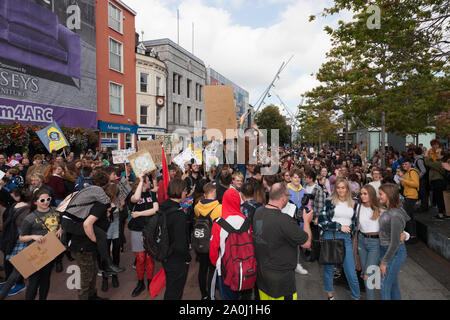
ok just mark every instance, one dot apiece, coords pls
pixel 10 234
pixel 156 237
pixel 238 261
pixel 201 233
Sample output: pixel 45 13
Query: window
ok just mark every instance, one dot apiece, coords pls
pixel 188 115
pixel 179 113
pixel 129 140
pixel 110 140
pixel 196 91
pixel 158 86
pixel 115 18
pixel 188 87
pixel 115 98
pixel 174 82
pixel 199 115
pixel 158 116
pixel 144 82
pixel 200 87
pixel 115 55
pixel 173 112
pixel 179 84
pixel 144 115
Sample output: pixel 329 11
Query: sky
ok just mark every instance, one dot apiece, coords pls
pixel 247 41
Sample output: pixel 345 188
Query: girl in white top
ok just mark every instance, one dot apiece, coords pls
pixel 368 227
pixel 368 243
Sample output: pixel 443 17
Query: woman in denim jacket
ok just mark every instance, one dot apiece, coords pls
pixel 338 217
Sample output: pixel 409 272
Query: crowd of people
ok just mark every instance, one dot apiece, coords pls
pixel 348 197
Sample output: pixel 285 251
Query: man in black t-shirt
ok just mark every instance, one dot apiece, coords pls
pixel 276 237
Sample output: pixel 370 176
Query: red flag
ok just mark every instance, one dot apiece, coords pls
pixel 166 177
pixel 158 283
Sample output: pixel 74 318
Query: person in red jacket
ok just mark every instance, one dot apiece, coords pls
pixel 231 212
pixel 161 191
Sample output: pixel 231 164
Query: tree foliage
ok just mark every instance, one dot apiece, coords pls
pixel 400 68
pixel 270 118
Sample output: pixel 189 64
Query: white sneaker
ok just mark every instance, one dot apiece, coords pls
pixel 300 269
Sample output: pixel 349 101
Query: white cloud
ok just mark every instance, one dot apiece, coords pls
pixel 248 56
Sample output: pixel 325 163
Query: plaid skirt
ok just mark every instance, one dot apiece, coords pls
pixel 17 249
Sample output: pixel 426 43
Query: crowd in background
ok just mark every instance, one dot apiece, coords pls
pixel 34 185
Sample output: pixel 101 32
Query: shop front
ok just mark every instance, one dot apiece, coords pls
pixel 117 136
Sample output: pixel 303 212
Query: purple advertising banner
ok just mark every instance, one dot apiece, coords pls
pixel 39 114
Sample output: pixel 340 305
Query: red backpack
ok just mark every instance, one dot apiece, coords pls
pixel 238 261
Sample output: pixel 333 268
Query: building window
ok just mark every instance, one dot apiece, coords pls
pixel 200 88
pixel 144 82
pixel 129 141
pixel 174 82
pixel 179 84
pixel 189 116
pixel 158 86
pixel 144 115
pixel 188 87
pixel 115 98
pixel 158 116
pixel 110 140
pixel 199 115
pixel 115 18
pixel 173 112
pixel 179 113
pixel 115 55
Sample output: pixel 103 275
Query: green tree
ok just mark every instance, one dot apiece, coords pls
pixel 270 118
pixel 317 126
pixel 391 75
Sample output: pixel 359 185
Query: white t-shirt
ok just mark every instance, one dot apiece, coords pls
pixel 376 185
pixel 366 224
pixel 343 214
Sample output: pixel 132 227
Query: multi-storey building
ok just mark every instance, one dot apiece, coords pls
pixel 185 85
pixel 116 74
pixel 151 75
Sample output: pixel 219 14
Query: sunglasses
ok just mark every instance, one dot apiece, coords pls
pixel 44 200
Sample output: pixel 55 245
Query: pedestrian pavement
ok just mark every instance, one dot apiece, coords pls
pixel 424 276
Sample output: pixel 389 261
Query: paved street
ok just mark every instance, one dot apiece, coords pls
pixel 424 276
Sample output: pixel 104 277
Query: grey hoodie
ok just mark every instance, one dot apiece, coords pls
pixel 392 223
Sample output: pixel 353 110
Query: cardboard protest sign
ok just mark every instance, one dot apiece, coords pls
pixel 141 162
pixel 154 148
pixel 170 142
pixel 2 174
pixel 186 156
pixel 121 156
pixel 37 255
pixel 220 109
pixel 210 155
pixel 52 137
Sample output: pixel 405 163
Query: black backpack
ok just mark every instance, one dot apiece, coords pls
pixel 156 237
pixel 201 233
pixel 10 234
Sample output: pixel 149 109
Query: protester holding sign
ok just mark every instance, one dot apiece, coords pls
pixel 36 225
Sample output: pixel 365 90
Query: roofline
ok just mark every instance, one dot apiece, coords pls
pixel 174 45
pixel 126 7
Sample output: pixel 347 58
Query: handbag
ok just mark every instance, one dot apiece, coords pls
pixel 355 243
pixel 332 251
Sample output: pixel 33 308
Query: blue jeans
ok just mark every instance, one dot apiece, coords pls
pixel 390 289
pixel 226 293
pixel 349 266
pixel 369 257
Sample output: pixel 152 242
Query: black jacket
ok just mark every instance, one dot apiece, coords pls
pixel 176 225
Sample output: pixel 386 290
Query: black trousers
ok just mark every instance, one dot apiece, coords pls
pixel 176 275
pixel 39 280
pixel 411 224
pixel 205 273
pixel 438 188
pixel 424 194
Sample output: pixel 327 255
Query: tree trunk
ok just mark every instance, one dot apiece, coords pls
pixel 383 139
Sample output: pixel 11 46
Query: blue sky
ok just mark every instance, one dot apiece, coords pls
pixel 246 41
